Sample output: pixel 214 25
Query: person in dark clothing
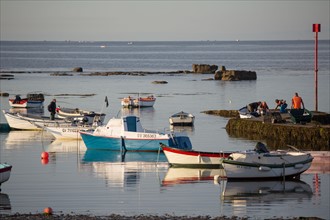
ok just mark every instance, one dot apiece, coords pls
pixel 253 107
pixel 17 99
pixel 52 109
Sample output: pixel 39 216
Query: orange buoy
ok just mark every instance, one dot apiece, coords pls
pixel 44 155
pixel 48 211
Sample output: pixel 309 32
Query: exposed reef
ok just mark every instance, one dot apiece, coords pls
pixel 310 136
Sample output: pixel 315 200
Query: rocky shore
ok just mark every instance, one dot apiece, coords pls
pixel 135 217
pixel 313 136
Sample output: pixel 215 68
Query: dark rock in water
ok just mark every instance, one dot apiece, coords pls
pixel 4 94
pixel 77 69
pixel 204 68
pixel 223 113
pixel 235 75
pixel 6 76
pixel 159 82
pixel 61 74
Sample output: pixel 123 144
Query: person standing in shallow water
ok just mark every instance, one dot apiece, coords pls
pixel 297 102
pixel 52 109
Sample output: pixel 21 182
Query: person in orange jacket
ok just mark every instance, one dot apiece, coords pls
pixel 297 102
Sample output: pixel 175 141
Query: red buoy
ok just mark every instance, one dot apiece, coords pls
pixel 48 211
pixel 44 155
pixel 44 161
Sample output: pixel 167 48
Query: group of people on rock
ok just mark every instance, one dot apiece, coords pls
pixel 262 108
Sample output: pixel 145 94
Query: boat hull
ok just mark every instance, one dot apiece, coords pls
pixel 141 102
pixel 180 121
pixel 182 118
pixel 5 170
pixel 66 132
pixel 19 122
pixel 193 159
pixel 117 143
pixel 266 166
pixel 24 103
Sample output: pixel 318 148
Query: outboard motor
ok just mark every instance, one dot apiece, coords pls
pixel 261 148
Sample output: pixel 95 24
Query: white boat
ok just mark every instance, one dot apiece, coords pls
pixel 244 113
pixel 182 118
pixel 27 122
pixel 31 101
pixel 140 102
pixel 75 113
pixel 65 130
pixel 5 170
pixel 263 164
pixel 193 159
pixel 127 133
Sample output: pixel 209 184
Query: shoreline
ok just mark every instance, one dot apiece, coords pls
pixel 18 216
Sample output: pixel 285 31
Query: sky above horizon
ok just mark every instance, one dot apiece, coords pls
pixel 184 20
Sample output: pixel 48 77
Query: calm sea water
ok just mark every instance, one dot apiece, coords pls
pixel 93 182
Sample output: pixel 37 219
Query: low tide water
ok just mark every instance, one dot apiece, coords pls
pixel 101 182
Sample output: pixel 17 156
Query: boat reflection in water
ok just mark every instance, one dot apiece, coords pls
pixel 17 139
pixel 5 206
pixel 66 146
pixel 263 191
pixel 122 169
pixel 190 175
pixel 188 129
pixel 119 156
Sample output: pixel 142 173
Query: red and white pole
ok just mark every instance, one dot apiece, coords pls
pixel 316 29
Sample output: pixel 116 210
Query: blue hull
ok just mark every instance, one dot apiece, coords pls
pixel 117 144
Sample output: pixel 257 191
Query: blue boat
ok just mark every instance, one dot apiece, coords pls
pixel 127 134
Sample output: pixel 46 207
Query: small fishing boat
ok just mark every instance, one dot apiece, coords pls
pixel 27 122
pixel 263 164
pixel 193 159
pixel 66 130
pixel 140 102
pixel 5 170
pixel 244 113
pixel 32 100
pixel 127 133
pixel 182 118
pixel 88 116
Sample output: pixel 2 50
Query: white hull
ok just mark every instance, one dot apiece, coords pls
pixel 29 104
pixel 5 170
pixel 130 102
pixel 181 121
pixel 190 158
pixel 182 118
pixel 19 122
pixel 276 164
pixel 66 132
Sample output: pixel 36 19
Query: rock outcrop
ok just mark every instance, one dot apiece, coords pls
pixel 77 69
pixel 204 68
pixel 234 75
